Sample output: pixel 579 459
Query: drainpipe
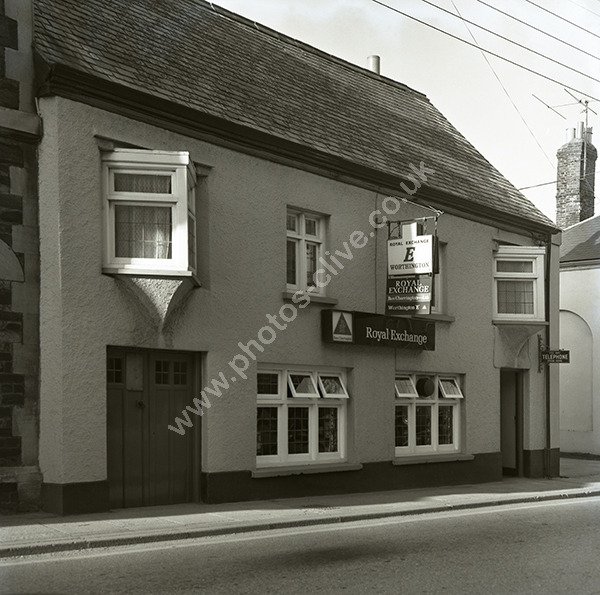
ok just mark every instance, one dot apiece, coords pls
pixel 549 337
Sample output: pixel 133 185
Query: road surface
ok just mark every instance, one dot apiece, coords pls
pixel 547 547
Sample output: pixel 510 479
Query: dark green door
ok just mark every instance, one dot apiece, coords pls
pixel 148 464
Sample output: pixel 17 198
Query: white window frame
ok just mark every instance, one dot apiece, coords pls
pixel 181 200
pixel 301 238
pixel 434 401
pixel 534 255
pixel 323 387
pixel 286 398
pixel 405 395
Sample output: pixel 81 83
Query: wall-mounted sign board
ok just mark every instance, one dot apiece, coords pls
pixel 364 328
pixel 556 356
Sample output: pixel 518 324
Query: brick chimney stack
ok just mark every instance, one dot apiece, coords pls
pixel 575 177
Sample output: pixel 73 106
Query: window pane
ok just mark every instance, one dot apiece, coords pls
pixel 297 430
pixel 328 429
pixel 191 241
pixel 312 253
pixel 292 222
pixel 143 232
pixel 405 387
pixel 423 425
pixel 161 372
pixel 450 388
pixel 515 297
pixel 291 262
pixel 303 384
pixel 114 370
pixel 192 201
pixel 514 266
pixel 332 385
pixel 267 384
pixel 179 372
pixel 146 183
pixel 402 425
pixel 311 227
pixel 445 425
pixel 266 431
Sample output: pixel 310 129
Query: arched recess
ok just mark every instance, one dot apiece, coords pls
pixel 576 390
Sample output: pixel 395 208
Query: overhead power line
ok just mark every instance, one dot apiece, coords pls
pixel 520 45
pixel 583 178
pixel 584 8
pixel 562 18
pixel 539 30
pixel 504 88
pixel 530 70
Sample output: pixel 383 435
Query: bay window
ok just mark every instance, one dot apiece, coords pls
pixel 149 213
pixel 519 283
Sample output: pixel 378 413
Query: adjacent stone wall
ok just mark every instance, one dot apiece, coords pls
pixel 19 265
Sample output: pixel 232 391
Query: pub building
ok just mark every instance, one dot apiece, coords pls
pixel 267 272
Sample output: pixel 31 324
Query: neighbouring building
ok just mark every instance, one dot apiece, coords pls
pixel 215 205
pixel 20 131
pixel 579 294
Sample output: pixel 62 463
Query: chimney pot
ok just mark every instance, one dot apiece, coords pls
pixel 570 134
pixel 580 130
pixel 373 63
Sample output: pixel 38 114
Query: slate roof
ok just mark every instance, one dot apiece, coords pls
pixel 218 63
pixel 581 242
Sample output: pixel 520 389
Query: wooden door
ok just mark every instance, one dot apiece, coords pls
pixel 148 464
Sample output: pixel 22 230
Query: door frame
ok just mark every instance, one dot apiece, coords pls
pixel 511 404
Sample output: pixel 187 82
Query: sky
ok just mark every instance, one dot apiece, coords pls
pixel 501 108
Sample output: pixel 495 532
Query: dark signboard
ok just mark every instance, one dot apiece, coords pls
pixel 556 356
pixel 364 328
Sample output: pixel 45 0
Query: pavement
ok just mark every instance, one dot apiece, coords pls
pixel 40 532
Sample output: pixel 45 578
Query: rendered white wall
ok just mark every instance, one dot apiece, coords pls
pixel 580 379
pixel 244 200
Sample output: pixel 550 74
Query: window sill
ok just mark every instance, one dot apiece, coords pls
pixel 305 469
pixel 151 273
pixel 316 299
pixel 431 458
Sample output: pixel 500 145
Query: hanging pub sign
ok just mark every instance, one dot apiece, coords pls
pixel 364 328
pixel 410 256
pixel 411 265
pixel 408 295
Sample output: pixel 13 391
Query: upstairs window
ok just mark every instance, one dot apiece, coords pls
pixel 519 283
pixel 305 236
pixel 149 213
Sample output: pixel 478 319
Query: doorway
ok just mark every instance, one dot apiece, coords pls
pixel 511 422
pixel 148 464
